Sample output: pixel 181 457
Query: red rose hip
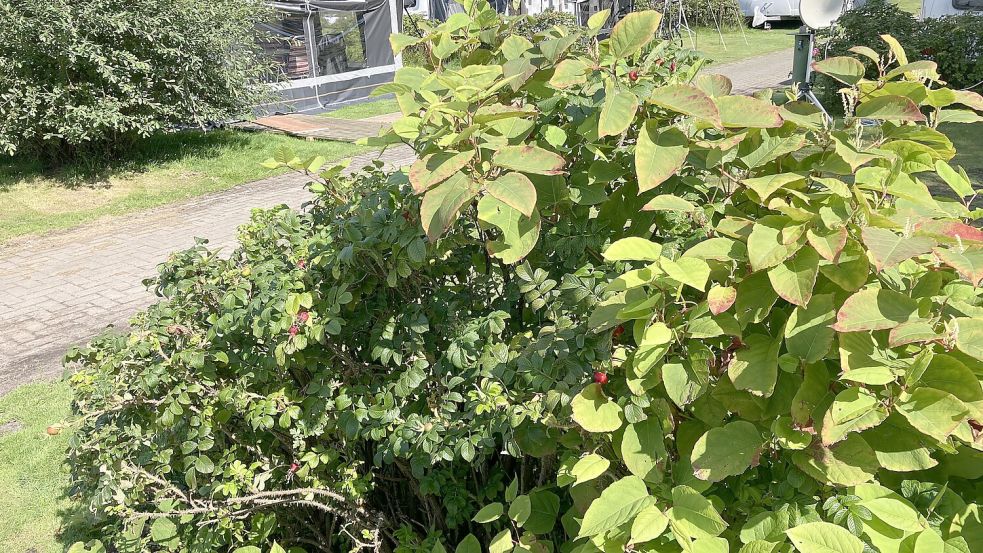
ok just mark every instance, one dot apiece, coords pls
pixel 600 378
pixel 633 75
pixel 294 329
pixel 302 317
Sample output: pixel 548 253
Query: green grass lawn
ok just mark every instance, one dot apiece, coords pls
pixel 365 109
pixel 159 170
pixel 730 45
pixel 37 516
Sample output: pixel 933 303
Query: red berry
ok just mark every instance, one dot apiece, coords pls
pixel 672 66
pixel 600 378
pixel 301 263
pixel 294 329
pixel 633 75
pixel 618 331
pixel 294 467
pixel 302 317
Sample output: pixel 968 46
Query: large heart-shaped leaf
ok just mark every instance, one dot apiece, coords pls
pixel 842 68
pixel 686 99
pixel 442 203
pixel 594 412
pixel 890 108
pixel 747 111
pixel 519 233
pixel 632 32
pixel 874 309
pixel 529 159
pixel 516 190
pixel 659 154
pixel 726 451
pixel 617 504
pixel 617 113
pixel 888 248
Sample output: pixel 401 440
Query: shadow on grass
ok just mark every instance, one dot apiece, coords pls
pixel 140 156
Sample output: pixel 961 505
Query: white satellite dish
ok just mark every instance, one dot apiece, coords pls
pixel 820 14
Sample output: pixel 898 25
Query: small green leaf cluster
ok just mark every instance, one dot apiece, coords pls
pixel 611 307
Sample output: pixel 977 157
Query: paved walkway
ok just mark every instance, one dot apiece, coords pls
pixel 766 71
pixel 62 289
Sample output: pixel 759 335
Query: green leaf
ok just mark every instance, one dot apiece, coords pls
pixel 754 367
pixel 668 202
pixel 823 537
pixel 693 515
pixel 544 508
pixel 773 239
pixel 520 509
pixel 690 271
pixel 842 68
pixel 684 382
pixel 617 113
pixel 643 449
pixel 852 403
pixel 501 542
pixel 956 181
pixel 633 248
pixel 890 108
pixel 617 504
pixel 896 48
pixel 519 233
pixel 808 335
pixel 726 451
pixel 569 72
pixel 442 203
pixel 434 169
pixel 851 269
pixel 765 186
pixel 846 463
pixel 888 249
pixel 597 21
pixel 589 467
pixel 969 336
pixel 649 525
pixel 933 412
pixel 163 531
pixel 685 99
pixel 594 412
pixel 828 244
pixel 898 446
pixel 515 190
pixel 746 111
pixel 874 309
pixel 489 513
pixel 755 298
pixel 469 544
pixel 713 84
pixel 967 261
pixel 896 512
pixel 795 279
pixel 659 154
pixel 529 159
pixel 632 32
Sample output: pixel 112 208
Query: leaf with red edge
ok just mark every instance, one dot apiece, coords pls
pixel 795 278
pixel 968 262
pixel 888 248
pixel 434 169
pixel 890 108
pixel 659 154
pixel 746 111
pixel 442 203
pixel 949 231
pixel 685 99
pixel 969 98
pixel 529 159
pixel 875 309
pixel 829 244
pixel 720 298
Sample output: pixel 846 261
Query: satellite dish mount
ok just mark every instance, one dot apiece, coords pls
pixel 815 14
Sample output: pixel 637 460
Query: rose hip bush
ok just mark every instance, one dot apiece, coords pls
pixel 611 308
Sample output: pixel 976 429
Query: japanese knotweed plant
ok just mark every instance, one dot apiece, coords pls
pixel 613 307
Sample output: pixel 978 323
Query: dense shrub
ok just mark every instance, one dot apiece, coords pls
pixel 611 308
pixel 954 43
pixel 88 77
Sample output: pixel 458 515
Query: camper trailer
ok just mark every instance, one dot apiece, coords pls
pixel 761 11
pixel 939 8
pixel 329 52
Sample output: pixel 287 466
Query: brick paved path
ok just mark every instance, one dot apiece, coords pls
pixel 62 289
pixel 766 71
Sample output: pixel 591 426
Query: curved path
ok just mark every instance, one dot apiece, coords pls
pixel 61 289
